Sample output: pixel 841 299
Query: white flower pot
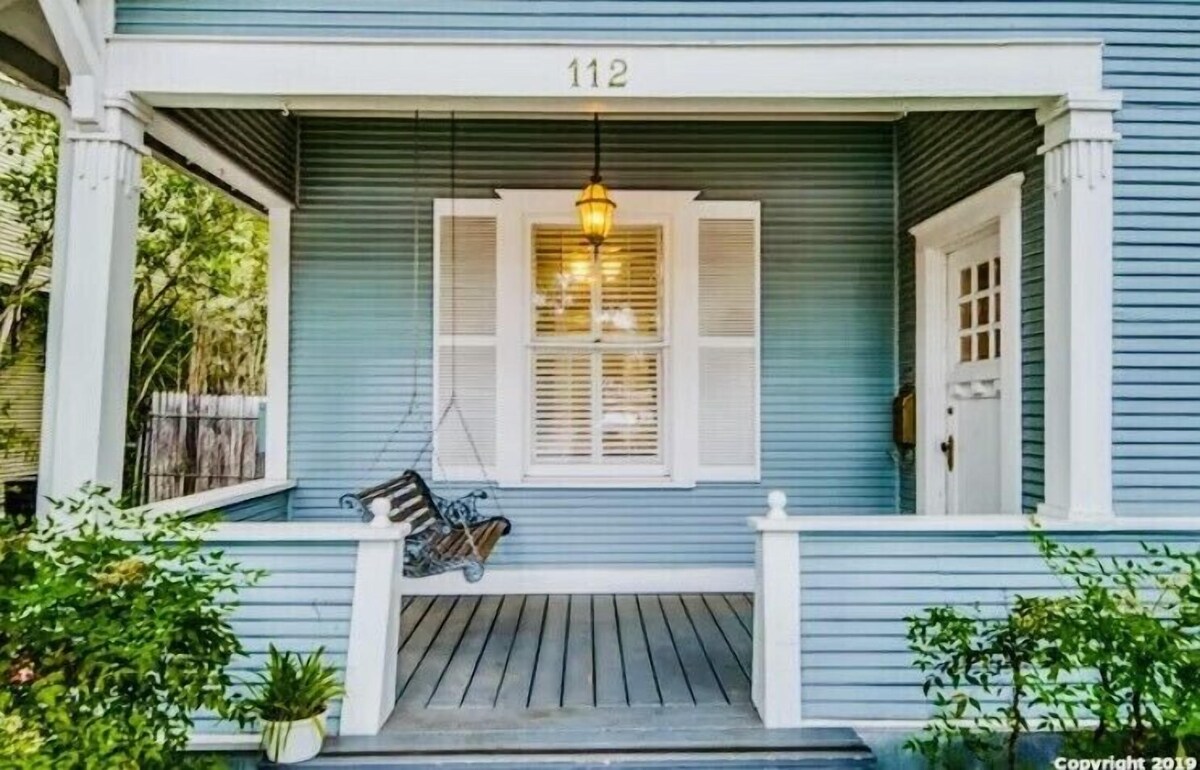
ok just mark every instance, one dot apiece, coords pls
pixel 289 742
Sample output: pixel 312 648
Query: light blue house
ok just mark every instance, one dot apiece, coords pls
pixel 923 267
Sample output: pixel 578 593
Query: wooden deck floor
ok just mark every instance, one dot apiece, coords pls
pixel 575 652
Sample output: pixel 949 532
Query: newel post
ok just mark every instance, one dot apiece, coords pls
pixel 776 669
pixel 374 628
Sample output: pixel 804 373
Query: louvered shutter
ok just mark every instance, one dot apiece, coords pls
pixel 728 341
pixel 465 320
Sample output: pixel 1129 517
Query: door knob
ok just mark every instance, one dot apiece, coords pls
pixel 948 450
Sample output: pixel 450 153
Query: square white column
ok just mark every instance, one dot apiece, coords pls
pixel 91 303
pixel 1078 153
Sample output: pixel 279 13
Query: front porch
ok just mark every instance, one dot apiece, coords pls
pixel 655 679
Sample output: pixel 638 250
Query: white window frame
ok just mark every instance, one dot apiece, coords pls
pixel 998 205
pixel 520 210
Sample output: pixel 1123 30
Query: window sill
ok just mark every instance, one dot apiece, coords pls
pixel 540 482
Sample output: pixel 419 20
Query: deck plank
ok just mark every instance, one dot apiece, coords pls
pixel 485 685
pixel 414 609
pixel 610 673
pixel 419 641
pixel 517 683
pixel 733 680
pixel 547 675
pixel 635 655
pixel 743 608
pixel 735 633
pixel 579 686
pixel 668 671
pixel 452 688
pixel 696 666
pixel 424 681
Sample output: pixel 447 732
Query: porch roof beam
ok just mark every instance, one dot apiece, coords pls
pixel 365 74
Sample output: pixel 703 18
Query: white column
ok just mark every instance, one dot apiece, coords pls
pixel 1078 154
pixel 775 688
pixel 278 320
pixel 91 303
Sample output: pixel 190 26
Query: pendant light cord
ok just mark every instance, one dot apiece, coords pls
pixel 596 146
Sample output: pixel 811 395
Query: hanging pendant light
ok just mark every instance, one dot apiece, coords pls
pixel 594 206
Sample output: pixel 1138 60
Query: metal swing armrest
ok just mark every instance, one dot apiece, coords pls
pixel 461 511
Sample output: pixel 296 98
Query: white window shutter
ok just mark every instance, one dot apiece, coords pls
pixel 728 308
pixel 465 326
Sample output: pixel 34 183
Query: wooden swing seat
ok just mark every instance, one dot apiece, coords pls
pixel 443 530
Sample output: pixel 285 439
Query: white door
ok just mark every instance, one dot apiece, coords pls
pixel 971 444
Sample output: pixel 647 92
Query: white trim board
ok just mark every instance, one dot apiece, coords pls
pixel 998 204
pixel 901 524
pixel 183 71
pixel 214 499
pixel 279 283
pixel 609 580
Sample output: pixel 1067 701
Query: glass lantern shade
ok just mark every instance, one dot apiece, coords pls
pixel 595 212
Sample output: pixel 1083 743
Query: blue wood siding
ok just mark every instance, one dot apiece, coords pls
pixel 942 157
pixel 857 589
pixel 267 508
pixel 1152 55
pixel 262 141
pixel 360 325
pixel 302 604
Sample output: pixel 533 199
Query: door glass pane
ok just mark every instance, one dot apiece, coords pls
pixel 983 346
pixel 964 316
pixel 984 275
pixel 964 282
pixel 964 348
pixel 982 310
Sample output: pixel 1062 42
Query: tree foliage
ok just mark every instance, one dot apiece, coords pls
pixel 114 631
pixel 199 316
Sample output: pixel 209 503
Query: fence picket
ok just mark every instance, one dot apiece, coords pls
pixel 195 442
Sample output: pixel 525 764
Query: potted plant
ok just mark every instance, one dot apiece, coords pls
pixel 291 698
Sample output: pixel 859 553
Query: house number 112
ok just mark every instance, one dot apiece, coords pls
pixel 590 73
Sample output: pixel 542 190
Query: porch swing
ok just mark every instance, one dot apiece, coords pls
pixel 447 533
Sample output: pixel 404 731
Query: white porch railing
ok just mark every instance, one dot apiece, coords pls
pixel 373 636
pixel 785 543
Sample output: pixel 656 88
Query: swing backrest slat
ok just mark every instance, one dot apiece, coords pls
pixel 408 496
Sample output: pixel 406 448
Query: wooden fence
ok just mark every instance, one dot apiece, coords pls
pixel 192 443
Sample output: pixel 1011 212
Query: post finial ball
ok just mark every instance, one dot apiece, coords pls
pixel 380 508
pixel 777 501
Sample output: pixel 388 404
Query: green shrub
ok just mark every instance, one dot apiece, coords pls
pixel 1114 664
pixel 114 628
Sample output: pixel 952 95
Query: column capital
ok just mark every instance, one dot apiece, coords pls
pixel 124 120
pixel 1078 140
pixel 1079 118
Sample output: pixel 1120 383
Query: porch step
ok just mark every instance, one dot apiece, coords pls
pixel 592 761
pixel 708 749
